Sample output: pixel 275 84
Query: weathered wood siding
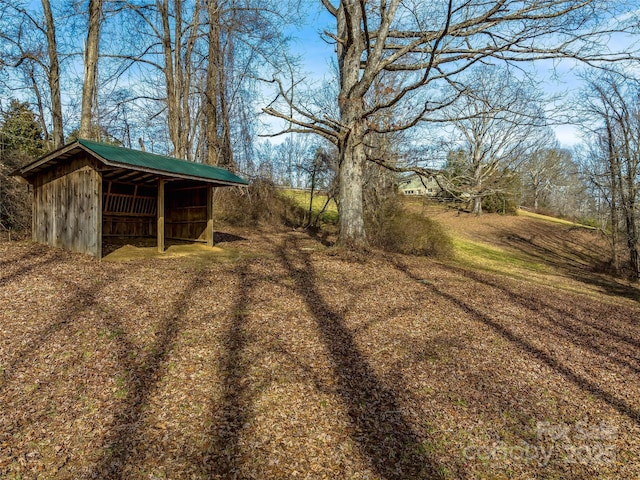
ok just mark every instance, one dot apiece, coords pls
pixel 123 226
pixel 186 212
pixel 67 207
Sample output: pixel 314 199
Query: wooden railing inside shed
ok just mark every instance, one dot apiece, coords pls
pixel 130 205
pixel 128 215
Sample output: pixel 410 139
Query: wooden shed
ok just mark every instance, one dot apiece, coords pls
pixel 86 191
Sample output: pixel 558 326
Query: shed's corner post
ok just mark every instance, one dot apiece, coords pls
pixel 209 232
pixel 98 220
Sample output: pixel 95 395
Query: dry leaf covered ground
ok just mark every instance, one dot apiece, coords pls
pixel 290 360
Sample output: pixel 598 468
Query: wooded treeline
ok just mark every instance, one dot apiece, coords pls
pixel 444 89
pixel 611 108
pixel 174 76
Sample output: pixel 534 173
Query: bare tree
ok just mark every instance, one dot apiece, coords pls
pixel 497 119
pixel 53 75
pixel 207 55
pixel 429 44
pixel 616 110
pixel 543 171
pixel 89 90
pixel 30 46
pixel 218 152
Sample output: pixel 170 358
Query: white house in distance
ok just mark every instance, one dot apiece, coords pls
pixel 415 185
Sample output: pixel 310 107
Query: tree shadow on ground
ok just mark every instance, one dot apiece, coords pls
pixel 571 254
pixel 224 449
pixel 556 315
pixel 382 432
pixel 23 268
pixel 320 235
pixel 42 347
pixel 224 237
pixel 30 253
pixel 85 295
pixel 142 371
pixel 525 344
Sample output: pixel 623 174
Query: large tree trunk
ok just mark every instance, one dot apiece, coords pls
pixel 351 148
pixel 351 221
pixel 173 114
pixel 90 69
pixel 632 242
pixel 478 172
pixel 177 51
pixel 216 108
pixel 477 205
pixel 536 192
pixel 631 219
pixel 53 76
pixel 226 151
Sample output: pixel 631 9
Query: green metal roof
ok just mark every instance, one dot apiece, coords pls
pixel 160 163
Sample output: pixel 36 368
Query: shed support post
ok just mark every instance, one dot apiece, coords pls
pixel 34 214
pixel 209 232
pixel 161 216
pixel 98 196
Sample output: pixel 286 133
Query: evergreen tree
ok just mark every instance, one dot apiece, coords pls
pixel 20 132
pixel 20 142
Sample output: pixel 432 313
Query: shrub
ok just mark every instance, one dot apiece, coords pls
pixel 394 229
pixel 500 203
pixel 259 203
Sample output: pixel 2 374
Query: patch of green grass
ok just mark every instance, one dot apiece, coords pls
pixel 109 334
pixel 121 391
pixel 29 389
pixel 302 198
pixel 561 221
pixel 491 258
pixel 90 404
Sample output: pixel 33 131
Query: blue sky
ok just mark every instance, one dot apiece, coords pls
pixel 307 44
pixel 316 56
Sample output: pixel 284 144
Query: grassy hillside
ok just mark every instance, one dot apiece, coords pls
pixel 302 198
pixel 530 246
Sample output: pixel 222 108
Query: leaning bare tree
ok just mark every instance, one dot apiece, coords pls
pixel 428 44
pixel 29 42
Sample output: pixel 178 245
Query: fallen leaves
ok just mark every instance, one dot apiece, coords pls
pixel 292 362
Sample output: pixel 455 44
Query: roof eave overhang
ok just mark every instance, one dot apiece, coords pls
pixel 165 174
pixel 24 171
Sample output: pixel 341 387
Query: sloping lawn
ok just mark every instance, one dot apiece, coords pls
pixel 291 360
pixel 320 201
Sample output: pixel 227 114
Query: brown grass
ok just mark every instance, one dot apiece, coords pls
pixel 293 362
pixel 193 250
pixel 258 204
